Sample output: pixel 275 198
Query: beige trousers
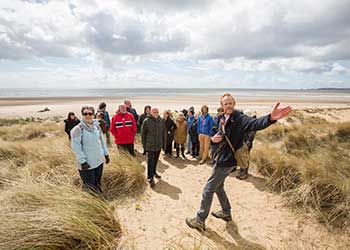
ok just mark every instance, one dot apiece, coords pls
pixel 204 145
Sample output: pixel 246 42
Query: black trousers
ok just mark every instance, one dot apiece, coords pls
pixel 195 149
pixel 127 147
pixel 153 157
pixel 92 178
pixel 168 149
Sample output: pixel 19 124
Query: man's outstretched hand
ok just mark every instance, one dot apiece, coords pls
pixel 279 113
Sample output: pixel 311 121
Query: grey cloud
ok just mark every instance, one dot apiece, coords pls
pixel 125 36
pixel 283 39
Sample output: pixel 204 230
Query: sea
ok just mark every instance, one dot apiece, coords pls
pixel 132 92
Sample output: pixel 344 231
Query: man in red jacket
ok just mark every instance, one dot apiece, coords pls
pixel 123 128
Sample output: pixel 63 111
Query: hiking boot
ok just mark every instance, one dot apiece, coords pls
pixel 151 183
pixel 221 215
pixel 157 176
pixel 196 224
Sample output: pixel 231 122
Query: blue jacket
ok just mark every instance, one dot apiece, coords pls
pixel 88 144
pixel 205 127
pixel 189 123
pixel 235 128
pixel 107 120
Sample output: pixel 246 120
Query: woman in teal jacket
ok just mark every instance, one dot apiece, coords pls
pixel 90 148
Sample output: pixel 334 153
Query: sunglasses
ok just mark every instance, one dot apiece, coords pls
pixel 88 113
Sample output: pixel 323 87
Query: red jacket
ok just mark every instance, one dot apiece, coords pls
pixel 123 128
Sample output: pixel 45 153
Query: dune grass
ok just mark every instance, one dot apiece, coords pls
pixel 46 216
pixel 309 164
pixel 41 200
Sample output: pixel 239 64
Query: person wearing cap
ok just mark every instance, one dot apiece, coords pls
pixel 90 149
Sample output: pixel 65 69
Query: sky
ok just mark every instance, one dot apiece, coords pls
pixel 174 44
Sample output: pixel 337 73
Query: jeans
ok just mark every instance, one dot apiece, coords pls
pixel 92 178
pixel 189 143
pixel 215 184
pixel 153 157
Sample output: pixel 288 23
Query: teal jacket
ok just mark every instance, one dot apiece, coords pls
pixel 88 144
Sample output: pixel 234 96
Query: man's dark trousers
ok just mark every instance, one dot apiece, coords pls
pixel 153 157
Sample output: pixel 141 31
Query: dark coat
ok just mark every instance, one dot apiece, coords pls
pixel 153 134
pixel 170 127
pixel 236 126
pixel 69 125
pixel 193 132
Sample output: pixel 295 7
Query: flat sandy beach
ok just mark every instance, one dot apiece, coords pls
pixel 60 106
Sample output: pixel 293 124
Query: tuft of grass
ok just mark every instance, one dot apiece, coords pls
pixel 310 166
pixel 47 216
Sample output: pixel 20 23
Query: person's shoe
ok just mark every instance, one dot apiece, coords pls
pixel 151 183
pixel 188 152
pixel 202 162
pixel 184 156
pixel 242 176
pixel 221 215
pixel 196 224
pixel 157 176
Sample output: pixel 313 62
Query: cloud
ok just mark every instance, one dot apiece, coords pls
pixel 187 37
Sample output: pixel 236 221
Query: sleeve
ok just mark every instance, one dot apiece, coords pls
pixel 199 124
pixel 76 144
pixel 211 124
pixel 107 120
pixel 112 128
pixel 164 135
pixel 134 125
pixel 103 142
pixel 144 132
pixel 254 124
pixel 66 127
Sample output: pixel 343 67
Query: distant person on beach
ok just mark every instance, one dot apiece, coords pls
pixel 193 134
pixel 124 129
pixel 153 137
pixel 229 138
pixel 102 108
pixel 70 123
pixel 248 138
pixel 170 127
pixel 189 119
pixel 89 147
pixel 130 109
pixel 180 135
pixel 205 126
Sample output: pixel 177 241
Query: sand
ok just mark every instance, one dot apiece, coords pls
pixel 60 106
pixel 260 221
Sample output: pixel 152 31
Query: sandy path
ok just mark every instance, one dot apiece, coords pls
pixel 259 219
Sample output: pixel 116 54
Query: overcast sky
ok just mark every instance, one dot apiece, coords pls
pixel 175 43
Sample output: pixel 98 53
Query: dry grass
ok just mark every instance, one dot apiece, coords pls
pixel 46 216
pixel 310 164
pixel 41 202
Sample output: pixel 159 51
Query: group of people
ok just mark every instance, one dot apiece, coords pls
pixel 198 132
